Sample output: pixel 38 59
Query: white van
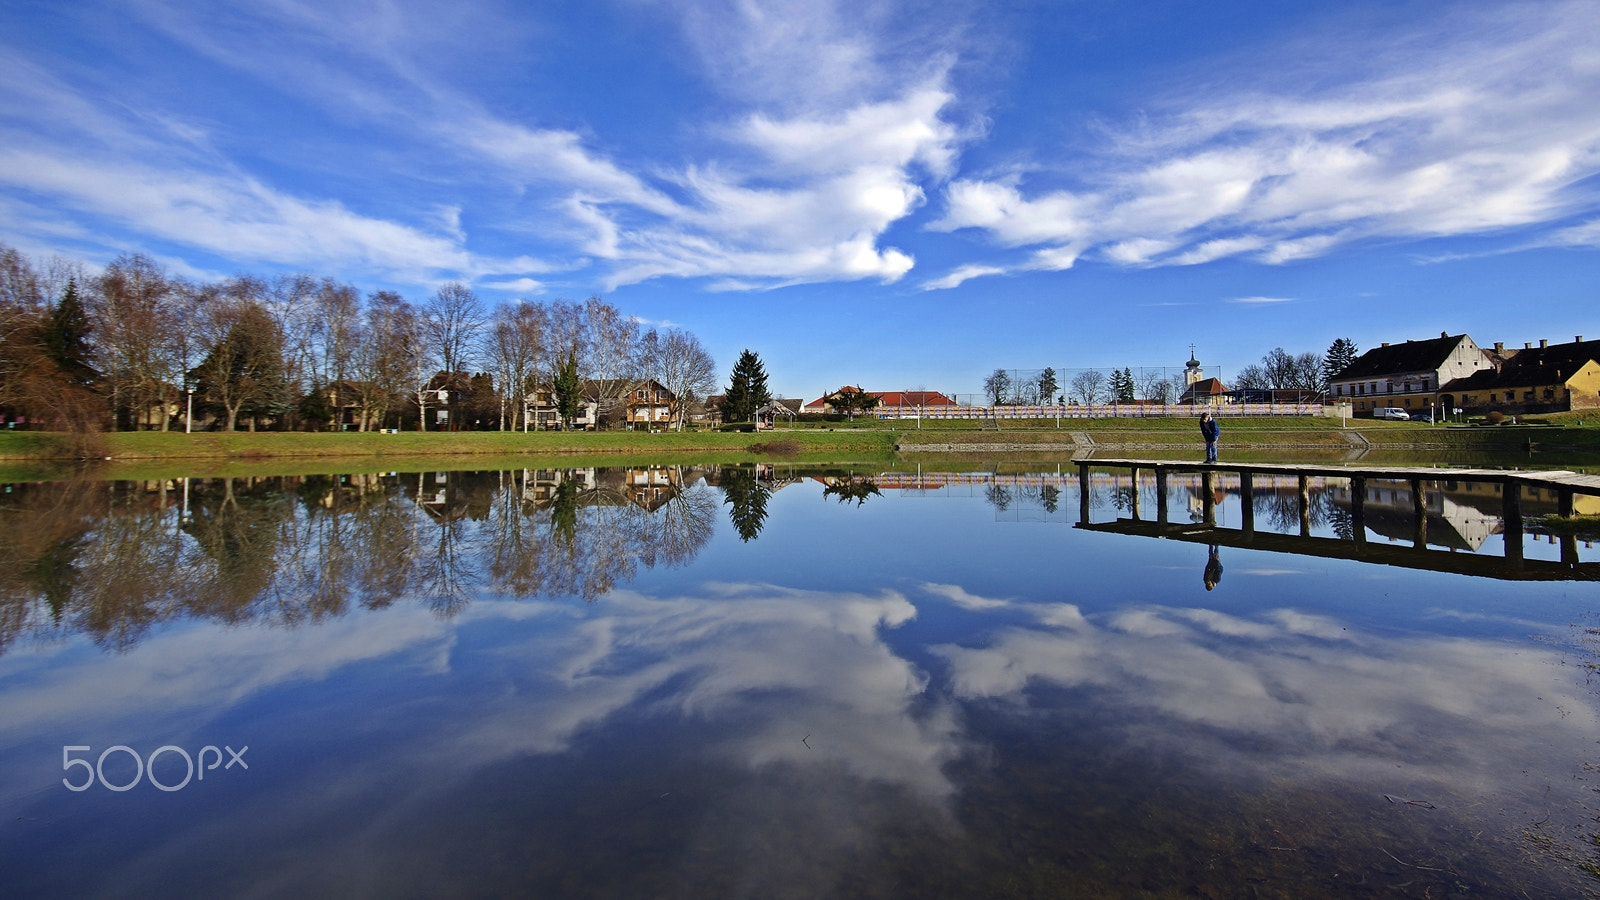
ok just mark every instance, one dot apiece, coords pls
pixel 1391 412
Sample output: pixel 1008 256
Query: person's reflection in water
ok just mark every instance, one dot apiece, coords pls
pixel 1213 567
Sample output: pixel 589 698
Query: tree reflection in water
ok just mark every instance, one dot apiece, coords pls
pixel 744 491
pixel 850 486
pixel 115 559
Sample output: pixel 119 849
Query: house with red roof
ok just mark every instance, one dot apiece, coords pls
pixel 922 399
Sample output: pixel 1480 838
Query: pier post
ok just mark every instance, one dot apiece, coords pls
pixel 1569 542
pixel 1305 506
pixel 1511 518
pixel 1358 508
pixel 1161 495
pixel 1247 501
pixel 1083 493
pixel 1134 505
pixel 1419 512
pixel 1208 506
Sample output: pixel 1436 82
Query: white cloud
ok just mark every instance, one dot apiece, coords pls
pixel 1314 699
pixel 960 275
pixel 1262 300
pixel 233 216
pixel 517 285
pixel 1488 128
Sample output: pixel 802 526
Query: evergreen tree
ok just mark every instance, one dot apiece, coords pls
pixel 1340 355
pixel 65 337
pixel 748 391
pixel 1122 386
pixel 1048 386
pixel 568 388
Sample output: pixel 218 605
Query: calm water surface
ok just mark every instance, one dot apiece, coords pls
pixel 780 682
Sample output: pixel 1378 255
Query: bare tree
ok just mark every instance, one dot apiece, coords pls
pixel 291 300
pixel 613 363
pixel 338 331
pixel 452 320
pixel 997 386
pixel 676 359
pixel 1088 387
pixel 1153 385
pixel 243 372
pixel 379 364
pixel 1252 378
pixel 133 326
pixel 515 345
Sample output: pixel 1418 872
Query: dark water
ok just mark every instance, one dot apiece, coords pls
pixel 725 681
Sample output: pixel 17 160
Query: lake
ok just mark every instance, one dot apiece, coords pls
pixel 787 681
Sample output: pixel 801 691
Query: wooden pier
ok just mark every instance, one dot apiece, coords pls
pixel 1565 485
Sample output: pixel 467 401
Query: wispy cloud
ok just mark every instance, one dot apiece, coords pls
pixel 1491 128
pixel 1262 300
pixel 961 275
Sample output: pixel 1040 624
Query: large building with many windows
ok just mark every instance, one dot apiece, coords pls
pixel 1451 372
pixel 1411 375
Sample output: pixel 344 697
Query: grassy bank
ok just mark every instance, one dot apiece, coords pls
pixel 869 437
pixel 123 446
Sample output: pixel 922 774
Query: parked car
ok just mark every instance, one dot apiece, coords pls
pixel 1421 417
pixel 1393 413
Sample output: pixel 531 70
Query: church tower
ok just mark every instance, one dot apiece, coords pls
pixel 1191 369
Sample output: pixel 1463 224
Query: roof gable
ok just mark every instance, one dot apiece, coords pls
pixel 1411 356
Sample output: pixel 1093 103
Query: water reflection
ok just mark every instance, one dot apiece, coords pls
pixel 116 559
pixel 1082 720
pixel 745 492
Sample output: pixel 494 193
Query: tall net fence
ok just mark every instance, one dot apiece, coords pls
pixel 1082 386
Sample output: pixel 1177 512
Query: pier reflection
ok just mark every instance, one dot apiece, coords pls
pixel 1425 523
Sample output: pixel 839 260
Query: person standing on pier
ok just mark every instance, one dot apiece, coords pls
pixel 1210 430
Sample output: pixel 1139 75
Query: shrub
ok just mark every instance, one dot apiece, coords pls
pixel 776 448
pixel 1494 418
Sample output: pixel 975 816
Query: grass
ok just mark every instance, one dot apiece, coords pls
pixel 280 445
pixel 24 449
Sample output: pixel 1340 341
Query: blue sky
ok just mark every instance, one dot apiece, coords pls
pixel 899 195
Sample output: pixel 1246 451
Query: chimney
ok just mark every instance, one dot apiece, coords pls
pixel 1499 346
pixel 1577 339
pixel 1527 345
pixel 1543 343
pixel 1444 334
pixel 1386 343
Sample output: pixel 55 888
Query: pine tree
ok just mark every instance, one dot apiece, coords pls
pixel 1122 386
pixel 748 390
pixel 65 337
pixel 1048 386
pixel 1341 354
pixel 568 387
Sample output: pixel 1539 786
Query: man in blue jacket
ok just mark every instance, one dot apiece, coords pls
pixel 1210 430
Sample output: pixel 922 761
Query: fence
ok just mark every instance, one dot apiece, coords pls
pixel 1018 387
pixel 1096 411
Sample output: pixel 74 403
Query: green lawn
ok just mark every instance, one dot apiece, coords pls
pixel 287 445
pixel 866 436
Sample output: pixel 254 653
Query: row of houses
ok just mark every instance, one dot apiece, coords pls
pixel 1451 372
